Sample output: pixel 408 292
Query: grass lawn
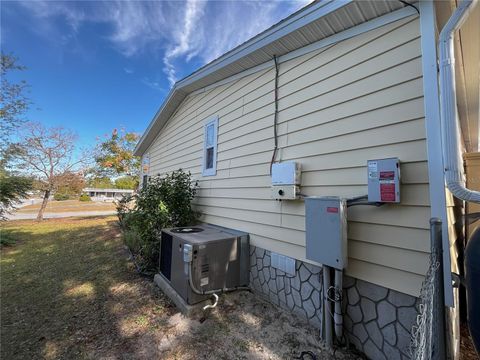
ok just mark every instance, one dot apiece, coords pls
pixel 68 206
pixel 68 291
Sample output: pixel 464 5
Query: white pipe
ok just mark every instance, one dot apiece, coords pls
pixel 452 158
pixel 338 317
pixel 327 310
pixel 215 302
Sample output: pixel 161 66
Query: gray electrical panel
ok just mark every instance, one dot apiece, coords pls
pixel 326 231
pixel 384 180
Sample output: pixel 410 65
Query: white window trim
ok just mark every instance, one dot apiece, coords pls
pixel 212 171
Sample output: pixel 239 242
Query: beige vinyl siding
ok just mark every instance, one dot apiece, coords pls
pixel 339 106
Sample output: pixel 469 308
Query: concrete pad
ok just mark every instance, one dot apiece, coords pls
pixel 186 309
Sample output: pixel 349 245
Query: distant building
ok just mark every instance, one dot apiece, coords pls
pixel 97 194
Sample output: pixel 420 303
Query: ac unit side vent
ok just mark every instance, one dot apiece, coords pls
pixel 166 255
pixel 205 268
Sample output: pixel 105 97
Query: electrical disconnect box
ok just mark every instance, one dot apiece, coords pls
pixel 286 179
pixel 326 231
pixel 384 180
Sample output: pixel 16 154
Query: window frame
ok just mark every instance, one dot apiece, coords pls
pixel 145 169
pixel 213 170
pixel 144 180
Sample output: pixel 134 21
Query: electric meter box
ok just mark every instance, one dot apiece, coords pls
pixel 384 180
pixel 286 179
pixel 326 231
pixel 286 173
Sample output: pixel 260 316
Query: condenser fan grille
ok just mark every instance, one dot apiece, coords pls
pixel 187 230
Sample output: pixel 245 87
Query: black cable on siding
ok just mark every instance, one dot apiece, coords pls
pixel 275 115
pixel 411 5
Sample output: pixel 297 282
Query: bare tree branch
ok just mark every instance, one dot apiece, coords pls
pixel 48 154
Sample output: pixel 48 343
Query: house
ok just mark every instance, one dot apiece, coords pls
pixel 352 81
pixel 106 195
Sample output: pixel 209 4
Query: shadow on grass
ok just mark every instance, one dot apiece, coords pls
pixel 68 291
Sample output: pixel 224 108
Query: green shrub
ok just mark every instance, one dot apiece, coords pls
pixel 60 197
pixel 163 202
pixel 124 208
pixel 6 239
pixel 85 197
pixel 132 240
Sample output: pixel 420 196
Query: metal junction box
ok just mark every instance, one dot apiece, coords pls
pixel 286 179
pixel 326 231
pixel 384 180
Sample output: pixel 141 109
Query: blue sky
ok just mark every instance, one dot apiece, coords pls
pixel 94 66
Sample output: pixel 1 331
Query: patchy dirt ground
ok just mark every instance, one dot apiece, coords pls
pixel 69 292
pixel 243 327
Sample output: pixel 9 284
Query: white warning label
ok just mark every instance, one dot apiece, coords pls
pixel 372 170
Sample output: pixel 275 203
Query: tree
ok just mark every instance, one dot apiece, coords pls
pixel 70 184
pixel 114 155
pixel 100 182
pixel 12 189
pixel 13 101
pixel 48 154
pixel 13 105
pixel 126 182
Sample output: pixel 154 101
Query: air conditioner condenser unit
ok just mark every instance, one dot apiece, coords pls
pixel 217 257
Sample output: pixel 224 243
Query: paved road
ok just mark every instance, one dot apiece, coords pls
pixel 26 202
pixel 30 216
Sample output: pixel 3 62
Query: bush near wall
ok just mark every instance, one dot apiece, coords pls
pixel 164 202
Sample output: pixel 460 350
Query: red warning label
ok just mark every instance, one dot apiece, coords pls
pixel 387 175
pixel 332 209
pixel 387 192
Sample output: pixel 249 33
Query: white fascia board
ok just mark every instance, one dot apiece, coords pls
pixel 311 16
pixel 285 27
pixel 351 32
pixel 328 41
pixel 438 203
pixel 173 92
pixel 314 12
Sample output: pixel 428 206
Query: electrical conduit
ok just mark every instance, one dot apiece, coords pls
pixel 327 312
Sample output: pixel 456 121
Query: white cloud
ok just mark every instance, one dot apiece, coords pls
pixel 175 32
pixel 185 41
pixel 73 14
pixel 156 85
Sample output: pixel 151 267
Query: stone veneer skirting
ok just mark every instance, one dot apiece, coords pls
pixel 377 320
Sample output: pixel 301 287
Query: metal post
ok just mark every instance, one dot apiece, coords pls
pixel 438 324
pixel 327 312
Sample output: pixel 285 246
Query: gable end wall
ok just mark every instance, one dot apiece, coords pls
pixel 359 99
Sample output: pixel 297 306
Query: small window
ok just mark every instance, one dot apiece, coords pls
pixel 210 147
pixel 145 169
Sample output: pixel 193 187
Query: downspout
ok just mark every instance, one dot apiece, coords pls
pixel 448 111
